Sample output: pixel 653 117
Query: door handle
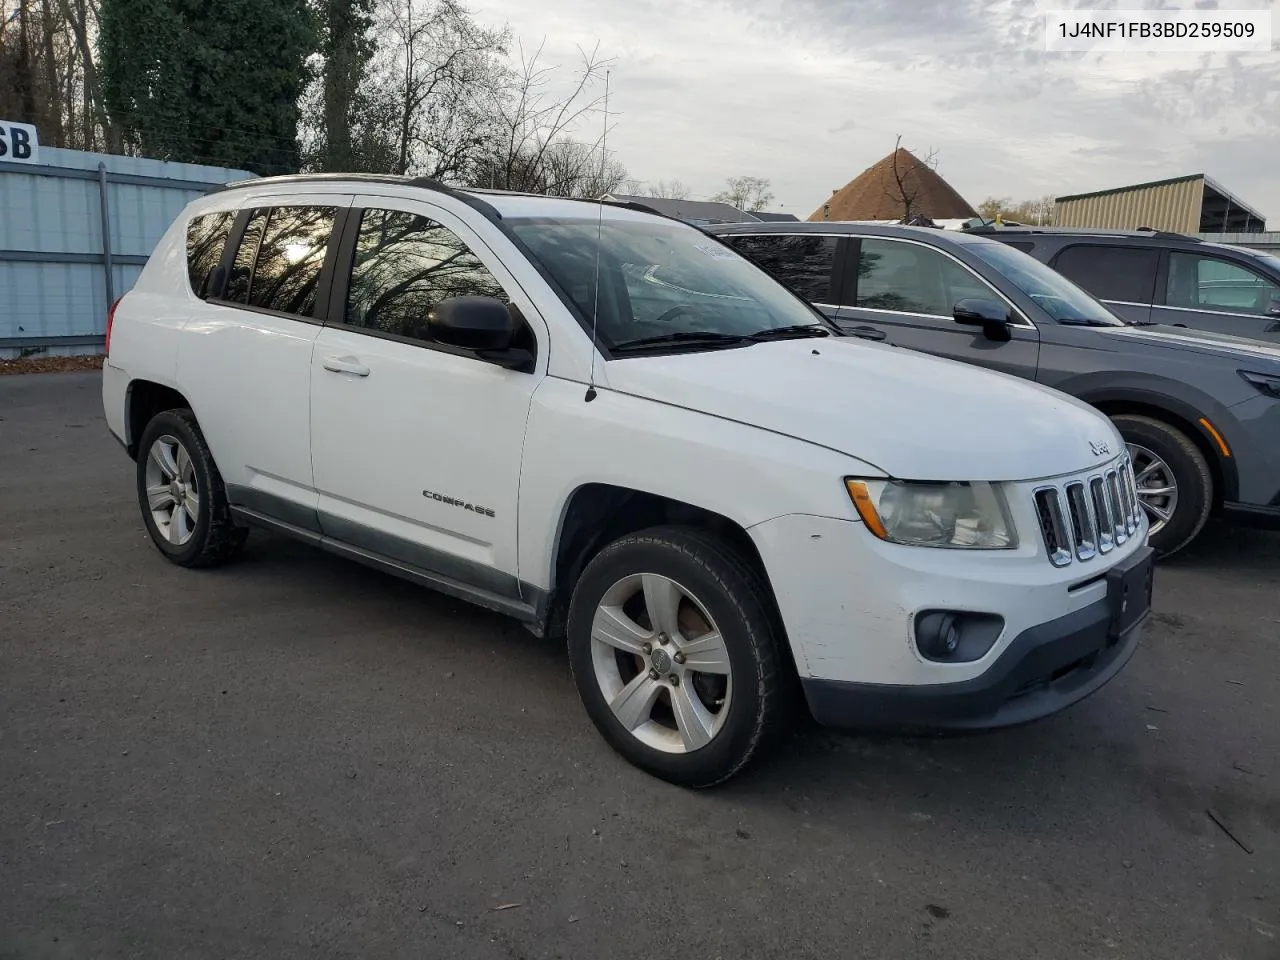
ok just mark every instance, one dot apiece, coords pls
pixel 867 332
pixel 345 365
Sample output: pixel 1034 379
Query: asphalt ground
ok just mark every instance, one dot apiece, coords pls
pixel 298 757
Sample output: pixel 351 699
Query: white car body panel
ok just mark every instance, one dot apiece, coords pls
pixel 739 471
pixel 866 400
pixel 382 442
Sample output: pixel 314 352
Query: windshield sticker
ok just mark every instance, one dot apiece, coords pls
pixel 715 251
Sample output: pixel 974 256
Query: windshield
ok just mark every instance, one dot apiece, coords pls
pixel 1054 293
pixel 660 279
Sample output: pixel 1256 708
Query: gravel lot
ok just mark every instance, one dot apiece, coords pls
pixel 295 756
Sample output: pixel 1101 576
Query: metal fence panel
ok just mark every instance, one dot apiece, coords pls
pixel 55 283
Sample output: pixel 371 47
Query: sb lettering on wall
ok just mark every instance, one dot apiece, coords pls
pixel 18 142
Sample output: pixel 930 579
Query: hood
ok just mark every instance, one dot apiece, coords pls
pixel 914 416
pixel 1201 341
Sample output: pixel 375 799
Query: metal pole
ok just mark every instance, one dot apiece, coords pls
pixel 106 231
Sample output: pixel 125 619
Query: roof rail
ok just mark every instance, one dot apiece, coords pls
pixel 425 183
pixel 1089 232
pixel 1170 235
pixel 473 197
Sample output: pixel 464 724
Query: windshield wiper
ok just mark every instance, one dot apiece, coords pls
pixel 715 338
pixel 1088 322
pixel 690 338
pixel 792 331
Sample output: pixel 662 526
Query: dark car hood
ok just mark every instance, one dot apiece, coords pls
pixel 1201 341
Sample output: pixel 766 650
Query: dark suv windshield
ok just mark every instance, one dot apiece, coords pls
pixel 660 279
pixel 1054 293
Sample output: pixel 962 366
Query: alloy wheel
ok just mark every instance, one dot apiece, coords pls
pixel 173 493
pixel 661 663
pixel 1157 487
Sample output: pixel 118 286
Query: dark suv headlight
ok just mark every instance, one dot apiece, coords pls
pixel 1267 383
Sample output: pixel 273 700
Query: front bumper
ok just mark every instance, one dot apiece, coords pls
pixel 1043 670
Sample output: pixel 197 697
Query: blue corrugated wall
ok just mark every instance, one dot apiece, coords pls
pixel 53 290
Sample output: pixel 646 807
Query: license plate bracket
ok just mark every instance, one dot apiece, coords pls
pixel 1129 587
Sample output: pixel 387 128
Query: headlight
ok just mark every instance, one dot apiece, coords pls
pixel 960 515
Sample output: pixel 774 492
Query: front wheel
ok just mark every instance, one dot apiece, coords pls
pixel 675 656
pixel 1174 484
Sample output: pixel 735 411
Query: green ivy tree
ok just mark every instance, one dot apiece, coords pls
pixel 209 81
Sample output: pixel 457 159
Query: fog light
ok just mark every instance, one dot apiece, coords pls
pixel 956 636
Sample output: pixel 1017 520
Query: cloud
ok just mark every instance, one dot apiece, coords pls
pixel 811 92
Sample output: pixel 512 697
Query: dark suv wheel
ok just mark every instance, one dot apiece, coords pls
pixel 1174 483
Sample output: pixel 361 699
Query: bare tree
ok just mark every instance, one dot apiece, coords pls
pixel 1041 211
pixel 745 193
pixel 905 187
pixel 48 74
pixel 990 207
pixel 446 80
pixel 668 189
pixel 572 168
pixel 539 150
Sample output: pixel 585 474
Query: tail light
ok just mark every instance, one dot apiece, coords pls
pixel 111 316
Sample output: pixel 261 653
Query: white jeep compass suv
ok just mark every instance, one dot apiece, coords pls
pixel 613 427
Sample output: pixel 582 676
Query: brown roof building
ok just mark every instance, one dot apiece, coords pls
pixel 881 193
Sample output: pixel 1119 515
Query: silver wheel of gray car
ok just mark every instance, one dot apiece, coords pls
pixel 661 663
pixel 1157 487
pixel 173 492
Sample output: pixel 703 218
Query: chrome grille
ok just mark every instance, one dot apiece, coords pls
pixel 1087 516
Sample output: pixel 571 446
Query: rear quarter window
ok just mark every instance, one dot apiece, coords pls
pixel 1122 274
pixel 206 238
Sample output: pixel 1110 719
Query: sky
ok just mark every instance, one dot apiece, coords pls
pixel 808 93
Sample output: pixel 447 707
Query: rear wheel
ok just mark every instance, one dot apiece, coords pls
pixel 675 655
pixel 1175 486
pixel 180 491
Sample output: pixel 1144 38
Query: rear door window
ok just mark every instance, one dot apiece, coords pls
pixel 802 262
pixel 1208 283
pixel 206 238
pixel 277 266
pixel 1122 274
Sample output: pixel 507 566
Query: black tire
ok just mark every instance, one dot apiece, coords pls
pixel 1190 472
pixel 731 591
pixel 216 537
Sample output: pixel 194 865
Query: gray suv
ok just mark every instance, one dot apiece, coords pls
pixel 1199 411
pixel 1169 278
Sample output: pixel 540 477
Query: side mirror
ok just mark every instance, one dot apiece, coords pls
pixel 477 323
pixel 484 325
pixel 987 314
